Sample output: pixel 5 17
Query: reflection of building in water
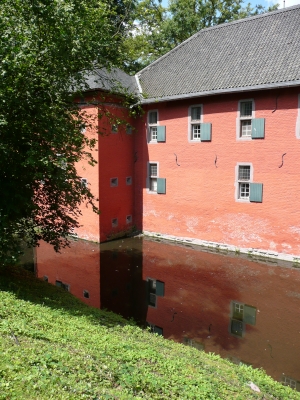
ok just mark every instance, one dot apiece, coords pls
pixel 245 311
pixel 76 269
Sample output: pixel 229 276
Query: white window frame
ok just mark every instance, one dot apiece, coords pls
pixel 240 118
pixel 239 182
pixel 149 177
pixel 194 122
pixel 298 120
pixel 151 137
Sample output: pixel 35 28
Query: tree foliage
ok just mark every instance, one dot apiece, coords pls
pixel 46 49
pixel 155 29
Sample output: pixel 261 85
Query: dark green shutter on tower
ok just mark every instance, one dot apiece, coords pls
pixel 249 315
pixel 161 133
pixel 258 128
pixel 161 185
pixel 205 129
pixel 256 191
pixel 160 288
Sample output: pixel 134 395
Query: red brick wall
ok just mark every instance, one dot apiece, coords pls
pixel 200 199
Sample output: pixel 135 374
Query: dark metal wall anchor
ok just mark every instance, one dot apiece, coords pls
pixel 216 159
pixel 176 160
pixel 282 160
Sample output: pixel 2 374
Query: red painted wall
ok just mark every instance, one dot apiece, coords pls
pixel 200 196
pixel 116 160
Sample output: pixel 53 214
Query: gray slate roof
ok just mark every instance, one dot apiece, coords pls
pixel 115 80
pixel 253 53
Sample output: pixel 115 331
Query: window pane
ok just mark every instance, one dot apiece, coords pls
pixel 153 184
pixel 153 169
pixel 196 131
pixel 244 190
pixel 246 128
pixel 244 172
pixel 196 113
pixel 153 133
pixel 246 109
pixel 153 117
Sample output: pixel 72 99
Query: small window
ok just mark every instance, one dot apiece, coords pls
pixel 128 219
pixel 243 312
pixel 246 109
pixel 86 294
pixel 84 182
pixel 45 278
pixel 196 113
pixel 152 126
pixel 155 288
pixel 155 329
pixel 246 189
pixel 64 286
pixel 128 180
pixel 153 169
pixel 128 129
pixel 82 129
pixel 291 382
pixel 114 128
pixel 114 222
pixel 114 182
pixel 244 182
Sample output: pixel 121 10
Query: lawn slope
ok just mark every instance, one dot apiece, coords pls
pixel 55 347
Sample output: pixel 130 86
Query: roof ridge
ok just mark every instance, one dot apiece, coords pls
pixel 219 26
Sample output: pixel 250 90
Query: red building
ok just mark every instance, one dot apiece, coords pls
pixel 214 157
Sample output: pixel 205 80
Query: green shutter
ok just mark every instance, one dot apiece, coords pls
pixel 256 190
pixel 158 330
pixel 161 185
pixel 161 133
pixel 249 315
pixel 258 128
pixel 205 130
pixel 160 288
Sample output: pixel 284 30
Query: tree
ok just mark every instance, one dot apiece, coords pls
pixel 46 49
pixel 154 29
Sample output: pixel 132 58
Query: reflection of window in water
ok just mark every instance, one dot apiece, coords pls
pixel 240 315
pixel 62 285
pixel 193 343
pixel 155 329
pixel 287 381
pixel 155 288
pixel 237 328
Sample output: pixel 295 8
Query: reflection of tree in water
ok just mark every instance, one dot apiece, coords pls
pixel 122 288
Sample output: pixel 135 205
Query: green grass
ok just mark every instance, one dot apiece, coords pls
pixel 67 350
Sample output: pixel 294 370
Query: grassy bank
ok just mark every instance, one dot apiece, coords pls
pixel 55 347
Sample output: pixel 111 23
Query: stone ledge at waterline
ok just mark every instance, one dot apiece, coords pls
pixel 55 347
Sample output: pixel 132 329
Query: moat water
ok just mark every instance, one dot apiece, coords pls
pixel 246 310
